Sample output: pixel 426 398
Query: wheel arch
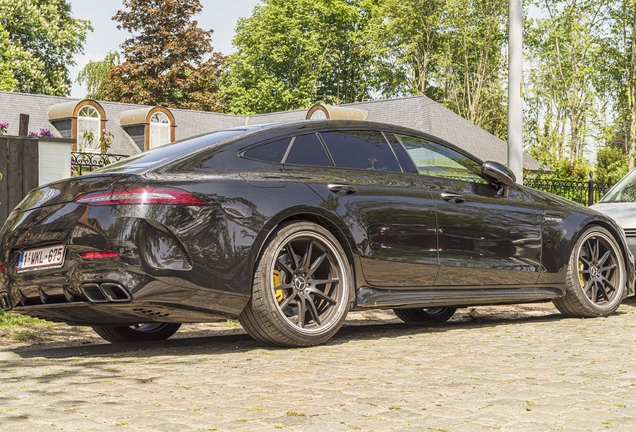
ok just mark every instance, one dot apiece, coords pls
pixel 319 216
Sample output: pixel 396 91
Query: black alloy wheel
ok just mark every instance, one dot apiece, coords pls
pixel 301 288
pixel 596 277
pixel 138 332
pixel 438 314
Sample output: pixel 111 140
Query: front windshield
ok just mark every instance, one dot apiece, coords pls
pixel 624 191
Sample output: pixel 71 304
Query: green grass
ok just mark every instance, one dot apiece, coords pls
pixel 13 320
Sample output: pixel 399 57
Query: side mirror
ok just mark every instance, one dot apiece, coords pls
pixel 500 175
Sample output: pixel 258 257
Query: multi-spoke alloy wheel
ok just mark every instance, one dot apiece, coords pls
pixel 438 314
pixel 138 332
pixel 301 288
pixel 595 283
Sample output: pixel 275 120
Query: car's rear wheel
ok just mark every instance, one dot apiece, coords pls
pixel 596 276
pixel 137 333
pixel 439 314
pixel 302 286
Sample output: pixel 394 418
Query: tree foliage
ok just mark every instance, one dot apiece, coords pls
pixel 169 60
pixel 38 39
pixel 451 51
pixel 294 53
pixel 95 72
pixel 567 47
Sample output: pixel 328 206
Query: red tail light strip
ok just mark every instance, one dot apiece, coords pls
pixel 98 255
pixel 147 195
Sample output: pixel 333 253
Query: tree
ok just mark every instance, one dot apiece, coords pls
pixel 621 65
pixel 568 51
pixel 165 60
pixel 451 51
pixel 294 53
pixel 38 39
pixel 95 72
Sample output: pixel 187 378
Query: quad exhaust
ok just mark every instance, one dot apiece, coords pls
pixel 105 292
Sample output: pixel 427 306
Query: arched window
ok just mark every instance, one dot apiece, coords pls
pixel 88 129
pixel 159 130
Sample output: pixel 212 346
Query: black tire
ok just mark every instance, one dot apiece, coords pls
pixel 138 333
pixel 439 314
pixel 302 288
pixel 596 276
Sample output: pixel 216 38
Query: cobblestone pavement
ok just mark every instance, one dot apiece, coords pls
pixel 522 372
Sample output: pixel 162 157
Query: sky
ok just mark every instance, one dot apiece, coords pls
pixel 219 15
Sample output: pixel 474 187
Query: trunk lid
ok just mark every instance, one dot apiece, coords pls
pixel 65 190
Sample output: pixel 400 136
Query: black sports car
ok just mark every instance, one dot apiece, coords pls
pixel 290 226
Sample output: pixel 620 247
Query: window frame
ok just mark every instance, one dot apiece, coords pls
pixel 76 135
pixel 166 126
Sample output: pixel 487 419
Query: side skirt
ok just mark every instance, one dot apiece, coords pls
pixel 369 298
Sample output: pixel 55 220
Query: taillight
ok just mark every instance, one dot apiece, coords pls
pixel 146 195
pixel 98 255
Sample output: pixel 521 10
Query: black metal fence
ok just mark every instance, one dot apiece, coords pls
pixel 83 163
pixel 582 192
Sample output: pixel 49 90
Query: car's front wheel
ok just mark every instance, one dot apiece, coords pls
pixel 596 276
pixel 137 333
pixel 301 290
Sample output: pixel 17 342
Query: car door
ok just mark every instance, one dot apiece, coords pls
pixel 485 237
pixel 392 220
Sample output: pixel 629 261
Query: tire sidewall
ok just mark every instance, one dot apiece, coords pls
pixel 265 268
pixel 574 285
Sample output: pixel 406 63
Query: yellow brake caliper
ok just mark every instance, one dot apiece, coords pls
pixel 278 292
pixel 581 278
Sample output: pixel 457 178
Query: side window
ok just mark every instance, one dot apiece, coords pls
pixel 307 150
pixel 271 152
pixel 436 160
pixel 361 149
pixel 401 154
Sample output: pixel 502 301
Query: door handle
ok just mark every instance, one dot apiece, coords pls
pixel 452 197
pixel 342 189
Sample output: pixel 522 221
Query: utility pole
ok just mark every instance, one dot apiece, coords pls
pixel 515 89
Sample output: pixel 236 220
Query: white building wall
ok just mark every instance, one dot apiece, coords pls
pixel 54 161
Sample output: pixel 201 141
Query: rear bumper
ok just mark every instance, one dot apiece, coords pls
pixel 154 278
pixel 120 297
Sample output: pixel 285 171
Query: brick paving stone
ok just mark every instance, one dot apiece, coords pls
pixel 535 373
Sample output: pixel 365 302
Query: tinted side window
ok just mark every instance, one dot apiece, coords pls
pixel 361 149
pixel 307 150
pixel 401 154
pixel 437 160
pixel 271 152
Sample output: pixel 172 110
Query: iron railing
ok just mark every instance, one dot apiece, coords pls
pixel 582 192
pixel 83 163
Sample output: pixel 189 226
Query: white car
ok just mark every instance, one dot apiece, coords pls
pixel 619 203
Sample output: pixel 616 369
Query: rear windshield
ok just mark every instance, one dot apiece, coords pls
pixel 170 152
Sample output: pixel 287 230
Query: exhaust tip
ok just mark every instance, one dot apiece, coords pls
pixel 115 292
pixel 105 292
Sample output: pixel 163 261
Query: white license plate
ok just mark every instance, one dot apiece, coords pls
pixel 48 257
